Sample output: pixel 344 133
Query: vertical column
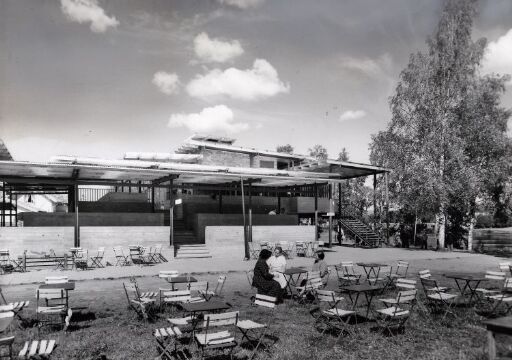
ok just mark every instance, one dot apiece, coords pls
pixel 171 215
pixel 77 224
pixel 387 207
pixel 316 212
pixel 153 198
pixel 246 244
pixel 374 201
pixel 278 202
pixel 16 209
pixel 331 212
pixel 250 212
pixel 220 202
pixel 2 223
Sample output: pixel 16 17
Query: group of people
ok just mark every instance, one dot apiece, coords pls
pixel 269 271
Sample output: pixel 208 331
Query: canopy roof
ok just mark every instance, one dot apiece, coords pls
pixel 73 170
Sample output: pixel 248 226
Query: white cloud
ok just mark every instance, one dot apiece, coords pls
pixel 210 120
pixel 242 4
pixel 352 115
pixel 368 66
pixel 215 50
pixel 261 81
pixel 84 11
pixel 498 56
pixel 167 83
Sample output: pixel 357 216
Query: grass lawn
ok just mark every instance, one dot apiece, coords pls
pixel 117 333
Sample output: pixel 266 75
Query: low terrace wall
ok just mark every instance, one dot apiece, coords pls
pixel 228 241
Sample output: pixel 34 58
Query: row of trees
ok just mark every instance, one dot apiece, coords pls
pixel 447 141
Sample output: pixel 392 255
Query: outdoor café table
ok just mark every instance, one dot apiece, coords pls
pixel 180 280
pixel 368 290
pixel 371 269
pixel 466 284
pixel 292 276
pixel 70 285
pixel 501 325
pixel 73 252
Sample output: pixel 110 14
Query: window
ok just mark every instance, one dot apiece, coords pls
pixel 266 164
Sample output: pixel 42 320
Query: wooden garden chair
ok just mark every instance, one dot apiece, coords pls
pixel 346 273
pixel 56 279
pixel 166 340
pixel 405 284
pixel 306 293
pixel 164 274
pixel 37 349
pixel 497 279
pixel 81 259
pixel 505 267
pixel 121 258
pixel 51 307
pixel 6 319
pixel 400 270
pixel 331 317
pixel 425 274
pixel 208 294
pixel 212 338
pixel 16 307
pixel 175 298
pixel 157 251
pixel 142 305
pixel 199 290
pixel 96 261
pixel 5 262
pixel 253 251
pixel 494 305
pixel 397 311
pixel 300 249
pixel 253 331
pixel 438 301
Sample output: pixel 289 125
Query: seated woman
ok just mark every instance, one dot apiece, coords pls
pixel 277 265
pixel 321 266
pixel 263 280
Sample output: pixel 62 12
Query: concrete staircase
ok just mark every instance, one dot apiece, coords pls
pixel 358 230
pixel 193 251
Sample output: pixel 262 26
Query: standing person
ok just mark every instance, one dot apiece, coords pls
pixel 277 265
pixel 321 266
pixel 263 280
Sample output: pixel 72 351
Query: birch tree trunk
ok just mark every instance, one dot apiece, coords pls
pixel 441 227
pixel 470 233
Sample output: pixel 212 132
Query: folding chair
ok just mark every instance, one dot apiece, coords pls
pixel 286 248
pixel 300 249
pixel 164 274
pixel 55 307
pixel 332 317
pixel 346 274
pixel 15 307
pixel 56 279
pixel 397 310
pixel 400 270
pixel 405 284
pixel 96 260
pixel 425 274
pixel 176 298
pixel 199 291
pixel 6 319
pixel 438 301
pixel 121 258
pixel 505 267
pixel 5 262
pixel 166 340
pixel 81 258
pixel 306 293
pixel 157 253
pixel 219 340
pixel 253 331
pixel 496 278
pixel 146 255
pixel 208 294
pixel 253 251
pixel 37 349
pixel 143 306
pixel 494 305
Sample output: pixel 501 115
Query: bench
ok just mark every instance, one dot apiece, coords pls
pixel 33 261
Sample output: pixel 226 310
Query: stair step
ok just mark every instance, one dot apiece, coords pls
pixel 180 256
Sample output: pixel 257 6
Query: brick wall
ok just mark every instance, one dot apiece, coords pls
pixel 224 158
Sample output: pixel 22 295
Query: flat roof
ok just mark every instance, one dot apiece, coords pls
pixel 102 171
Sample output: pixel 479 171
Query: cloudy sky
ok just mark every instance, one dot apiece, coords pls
pixel 99 78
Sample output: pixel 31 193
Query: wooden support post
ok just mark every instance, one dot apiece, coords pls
pixel 339 200
pixel 316 212
pixel 16 210
pixel 279 203
pixel 171 215
pixel 246 244
pixel 374 201
pixel 77 224
pixel 220 202
pixel 152 199
pixel 25 261
pixel 250 213
pixel 331 210
pixel 3 205
pixel 387 207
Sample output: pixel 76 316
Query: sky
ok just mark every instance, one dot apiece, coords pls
pixel 100 78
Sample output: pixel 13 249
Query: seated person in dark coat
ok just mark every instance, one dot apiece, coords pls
pixel 263 280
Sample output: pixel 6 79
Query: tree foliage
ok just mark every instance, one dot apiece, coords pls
pixel 287 149
pixel 318 152
pixel 447 134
